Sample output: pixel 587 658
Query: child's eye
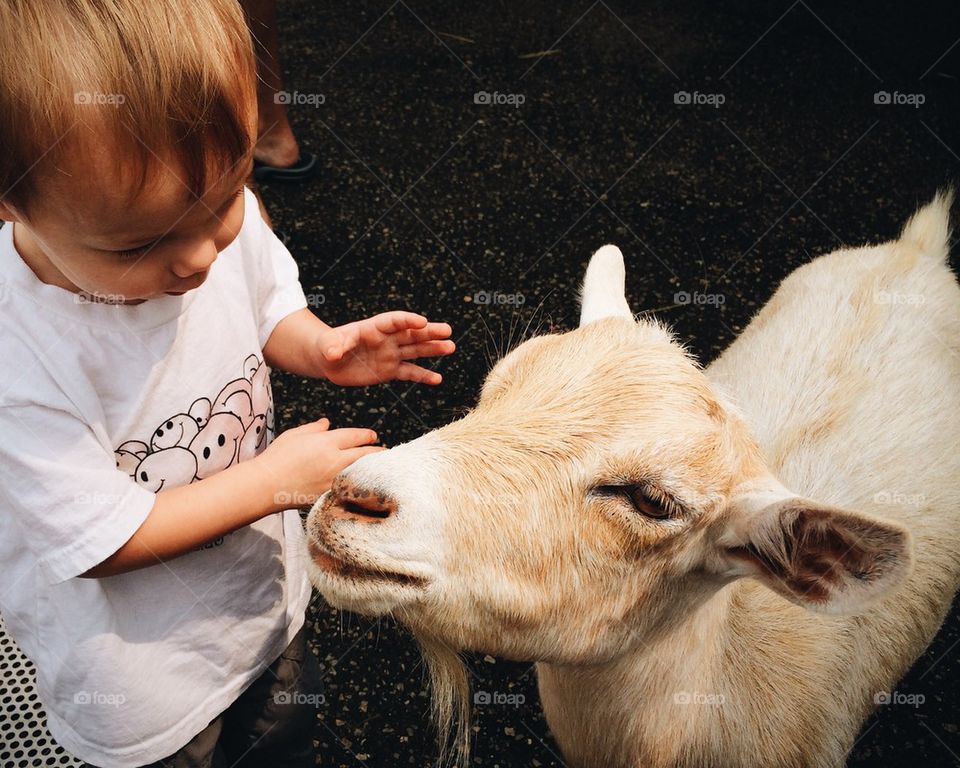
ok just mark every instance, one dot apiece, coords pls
pixel 134 253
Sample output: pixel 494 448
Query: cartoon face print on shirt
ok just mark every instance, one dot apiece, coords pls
pixel 177 430
pixel 260 390
pixel 236 398
pixel 254 439
pixel 169 467
pixel 250 366
pixel 271 429
pixel 201 410
pixel 217 444
pixel 129 455
pixel 209 436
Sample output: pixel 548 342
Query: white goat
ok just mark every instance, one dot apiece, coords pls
pixel 600 507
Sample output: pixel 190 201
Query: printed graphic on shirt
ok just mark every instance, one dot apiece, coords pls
pixel 212 434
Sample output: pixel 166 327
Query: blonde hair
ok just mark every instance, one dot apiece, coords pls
pixel 144 79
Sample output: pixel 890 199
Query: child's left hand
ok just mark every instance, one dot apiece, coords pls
pixel 377 349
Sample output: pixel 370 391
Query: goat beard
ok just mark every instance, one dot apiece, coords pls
pixel 449 700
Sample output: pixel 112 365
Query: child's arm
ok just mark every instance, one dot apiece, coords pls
pixel 294 345
pixel 294 470
pixel 368 351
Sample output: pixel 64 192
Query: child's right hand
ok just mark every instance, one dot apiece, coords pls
pixel 303 461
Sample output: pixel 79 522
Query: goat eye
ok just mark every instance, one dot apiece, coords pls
pixel 647 500
pixel 648 504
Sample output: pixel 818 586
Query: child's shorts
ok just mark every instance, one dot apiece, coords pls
pixel 269 726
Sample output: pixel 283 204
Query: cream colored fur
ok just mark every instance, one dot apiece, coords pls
pixel 817 550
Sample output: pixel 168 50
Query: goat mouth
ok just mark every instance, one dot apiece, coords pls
pixel 336 565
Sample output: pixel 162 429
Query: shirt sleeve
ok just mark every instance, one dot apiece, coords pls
pixel 279 292
pixel 61 492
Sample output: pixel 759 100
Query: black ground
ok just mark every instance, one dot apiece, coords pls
pixel 426 198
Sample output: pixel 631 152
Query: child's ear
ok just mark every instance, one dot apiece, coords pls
pixel 824 558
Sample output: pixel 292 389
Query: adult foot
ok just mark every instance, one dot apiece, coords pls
pixel 277 148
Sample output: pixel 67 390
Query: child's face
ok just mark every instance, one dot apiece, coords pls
pixel 86 235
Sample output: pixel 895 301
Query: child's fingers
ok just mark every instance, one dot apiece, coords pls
pixel 337 343
pixel 351 437
pixel 427 349
pixel 352 454
pixel 320 425
pixel 430 332
pixel 439 330
pixel 411 372
pixel 334 349
pixel 391 322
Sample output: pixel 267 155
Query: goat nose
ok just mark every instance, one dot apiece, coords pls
pixel 351 502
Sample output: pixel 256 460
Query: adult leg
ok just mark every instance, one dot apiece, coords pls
pixel 276 144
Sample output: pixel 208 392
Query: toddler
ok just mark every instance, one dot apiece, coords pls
pixel 150 546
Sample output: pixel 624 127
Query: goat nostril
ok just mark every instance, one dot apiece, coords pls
pixel 367 507
pixel 359 504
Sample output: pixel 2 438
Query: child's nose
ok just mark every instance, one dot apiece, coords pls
pixel 191 261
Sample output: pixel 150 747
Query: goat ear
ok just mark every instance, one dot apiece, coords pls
pixel 604 288
pixel 824 558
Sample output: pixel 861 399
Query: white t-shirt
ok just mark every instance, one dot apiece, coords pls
pixel 101 406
